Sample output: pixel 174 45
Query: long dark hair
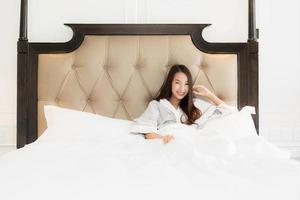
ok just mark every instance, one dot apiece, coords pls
pixel 186 104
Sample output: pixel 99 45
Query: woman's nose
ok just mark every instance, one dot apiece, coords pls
pixel 182 88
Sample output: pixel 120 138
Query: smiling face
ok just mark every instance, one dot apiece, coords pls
pixel 180 86
pixel 177 88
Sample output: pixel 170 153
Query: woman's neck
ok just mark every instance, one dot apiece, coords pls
pixel 174 101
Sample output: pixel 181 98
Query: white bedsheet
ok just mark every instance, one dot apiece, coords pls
pixel 197 164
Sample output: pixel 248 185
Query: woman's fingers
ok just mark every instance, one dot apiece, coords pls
pixel 197 92
pixel 198 86
pixel 201 90
pixel 167 138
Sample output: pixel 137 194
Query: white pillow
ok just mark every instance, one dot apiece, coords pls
pixel 66 124
pixel 234 126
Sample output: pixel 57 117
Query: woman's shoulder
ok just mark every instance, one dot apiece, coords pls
pixel 158 104
pixel 153 103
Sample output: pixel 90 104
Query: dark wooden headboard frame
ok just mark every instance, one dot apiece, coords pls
pixel 247 54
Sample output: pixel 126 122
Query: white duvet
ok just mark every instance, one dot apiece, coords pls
pixel 84 156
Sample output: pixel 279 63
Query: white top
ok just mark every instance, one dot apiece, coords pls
pixel 177 112
pixel 161 113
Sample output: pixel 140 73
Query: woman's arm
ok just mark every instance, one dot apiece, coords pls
pixel 216 100
pixel 152 136
pixel 204 92
pixel 147 122
pixel 165 138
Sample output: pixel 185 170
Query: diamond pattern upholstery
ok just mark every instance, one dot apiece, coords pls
pixel 117 76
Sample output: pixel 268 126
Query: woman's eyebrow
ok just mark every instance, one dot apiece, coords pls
pixel 180 80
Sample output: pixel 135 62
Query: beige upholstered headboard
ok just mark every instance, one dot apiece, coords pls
pixel 116 69
pixel 117 76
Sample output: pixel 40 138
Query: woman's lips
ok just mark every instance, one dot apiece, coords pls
pixel 181 94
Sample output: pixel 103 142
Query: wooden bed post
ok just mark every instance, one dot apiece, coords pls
pixel 253 62
pixel 22 125
pixel 252 34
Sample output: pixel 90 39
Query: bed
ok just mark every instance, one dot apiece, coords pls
pixel 111 72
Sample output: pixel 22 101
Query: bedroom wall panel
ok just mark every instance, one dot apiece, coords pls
pixel 8 70
pixel 279 72
pixel 282 130
pixel 215 12
pixel 7 131
pixel 53 14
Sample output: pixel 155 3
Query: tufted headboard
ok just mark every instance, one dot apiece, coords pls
pixel 117 76
pixel 116 69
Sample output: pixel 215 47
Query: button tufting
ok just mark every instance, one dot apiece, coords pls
pixel 220 96
pixel 89 100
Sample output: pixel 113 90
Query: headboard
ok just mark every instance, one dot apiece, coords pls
pixel 116 69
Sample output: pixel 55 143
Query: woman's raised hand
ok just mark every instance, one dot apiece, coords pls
pixel 201 90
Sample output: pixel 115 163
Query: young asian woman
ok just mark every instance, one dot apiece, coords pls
pixel 179 102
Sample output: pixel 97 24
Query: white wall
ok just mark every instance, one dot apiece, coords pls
pixel 279 72
pixel 52 14
pixel 8 73
pixel 279 112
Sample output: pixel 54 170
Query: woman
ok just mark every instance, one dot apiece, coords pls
pixel 175 104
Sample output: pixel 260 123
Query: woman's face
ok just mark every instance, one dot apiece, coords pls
pixel 180 86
